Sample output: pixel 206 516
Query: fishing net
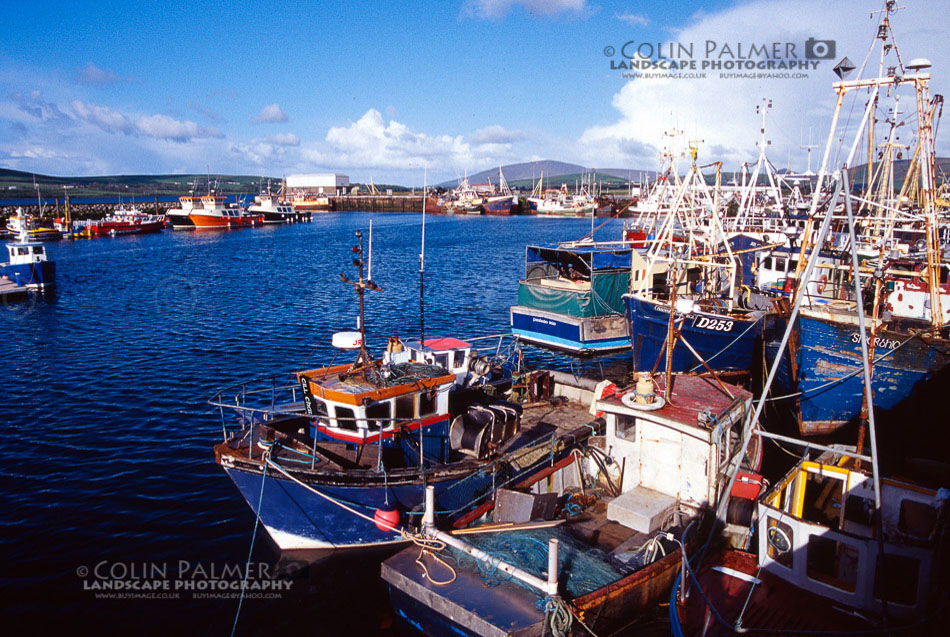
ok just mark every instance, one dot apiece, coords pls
pixel 581 569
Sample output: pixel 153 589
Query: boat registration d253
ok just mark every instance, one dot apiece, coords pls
pixel 713 324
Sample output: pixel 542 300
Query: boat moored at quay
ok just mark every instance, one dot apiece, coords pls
pixel 340 456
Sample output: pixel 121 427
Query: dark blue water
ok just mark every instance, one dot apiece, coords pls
pixel 107 463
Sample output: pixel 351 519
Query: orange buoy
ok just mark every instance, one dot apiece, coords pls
pixel 387 518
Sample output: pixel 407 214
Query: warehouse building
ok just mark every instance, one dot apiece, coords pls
pixel 319 183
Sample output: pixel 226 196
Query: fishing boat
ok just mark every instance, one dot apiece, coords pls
pixel 684 309
pixel 214 214
pixel 340 456
pixel 309 202
pixel 28 266
pixel 21 221
pixel 560 203
pixel 180 218
pixel 464 200
pixel 828 559
pixel 589 543
pixel 571 297
pixel 125 221
pixel 273 210
pixel 500 201
pixel 820 383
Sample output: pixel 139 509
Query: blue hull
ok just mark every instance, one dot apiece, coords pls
pixel 297 518
pixel 32 275
pixel 830 376
pixel 572 334
pixel 724 342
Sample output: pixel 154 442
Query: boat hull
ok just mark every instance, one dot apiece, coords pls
pixel 498 205
pixel 111 229
pixel 180 222
pixel 215 222
pixel 725 342
pixel 579 335
pixel 827 370
pixel 35 276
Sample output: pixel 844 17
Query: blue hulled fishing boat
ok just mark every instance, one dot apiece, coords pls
pixel 571 298
pixel 340 456
pixel 28 266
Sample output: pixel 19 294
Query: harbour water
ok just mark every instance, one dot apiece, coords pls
pixel 107 472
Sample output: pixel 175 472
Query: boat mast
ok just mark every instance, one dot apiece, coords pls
pixel 422 264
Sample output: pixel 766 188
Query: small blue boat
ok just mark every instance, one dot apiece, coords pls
pixel 571 298
pixel 28 266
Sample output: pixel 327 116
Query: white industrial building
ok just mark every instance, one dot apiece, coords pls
pixel 319 183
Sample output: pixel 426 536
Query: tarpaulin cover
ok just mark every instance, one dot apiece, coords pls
pixel 605 296
pixel 600 258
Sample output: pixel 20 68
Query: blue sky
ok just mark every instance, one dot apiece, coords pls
pixel 380 90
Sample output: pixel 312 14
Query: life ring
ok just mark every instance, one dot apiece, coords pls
pixel 822 283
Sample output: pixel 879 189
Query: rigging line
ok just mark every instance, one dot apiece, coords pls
pixel 247 567
pixel 850 375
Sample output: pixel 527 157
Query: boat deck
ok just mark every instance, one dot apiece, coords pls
pixel 539 420
pixel 10 290
pixel 474 604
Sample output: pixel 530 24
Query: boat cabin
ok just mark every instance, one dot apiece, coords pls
pixel 26 252
pixel 450 354
pixel 818 531
pixel 370 406
pixel 671 456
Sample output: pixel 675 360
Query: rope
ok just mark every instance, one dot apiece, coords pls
pixel 734 341
pixel 247 566
pixel 559 616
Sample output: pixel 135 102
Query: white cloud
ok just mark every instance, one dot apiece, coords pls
pixel 156 126
pixel 283 139
pixel 270 114
pixel 165 127
pixel 633 19
pixel 104 117
pixel 94 76
pixel 722 112
pixel 495 9
pixel 496 134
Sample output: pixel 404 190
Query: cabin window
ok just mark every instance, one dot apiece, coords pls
pixel 767 263
pixel 793 265
pixel 781 541
pixel 320 411
pixel 427 403
pixel 405 407
pixel 917 519
pixel 38 250
pixel 859 510
pixel 22 251
pixel 442 360
pixel 780 264
pixel 822 499
pixel 345 418
pixel 832 562
pixel 897 580
pixel 378 415
pixel 627 428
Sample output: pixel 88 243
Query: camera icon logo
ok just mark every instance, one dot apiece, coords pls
pixel 819 49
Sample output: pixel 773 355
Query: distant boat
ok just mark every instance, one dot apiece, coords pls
pixel 21 221
pixel 180 217
pixel 311 202
pixel 28 266
pixel 214 215
pixel 273 210
pixel 125 221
